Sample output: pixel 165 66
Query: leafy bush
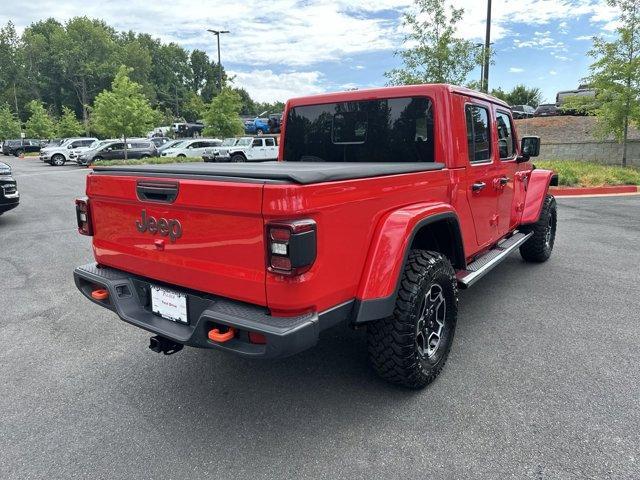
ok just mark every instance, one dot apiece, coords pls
pixel 573 173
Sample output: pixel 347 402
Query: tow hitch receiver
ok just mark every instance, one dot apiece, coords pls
pixel 215 335
pixel 163 345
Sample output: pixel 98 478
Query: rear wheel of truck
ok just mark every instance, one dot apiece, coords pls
pixel 411 347
pixel 540 245
pixel 58 160
pixel 238 158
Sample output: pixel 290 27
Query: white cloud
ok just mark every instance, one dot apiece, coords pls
pixel 541 41
pixel 292 33
pixel 531 12
pixel 516 70
pixel 552 72
pixel 583 37
pixel 297 36
pixel 267 86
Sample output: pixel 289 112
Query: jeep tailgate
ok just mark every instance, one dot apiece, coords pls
pixel 207 235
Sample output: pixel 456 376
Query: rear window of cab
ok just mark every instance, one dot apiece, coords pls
pixel 387 130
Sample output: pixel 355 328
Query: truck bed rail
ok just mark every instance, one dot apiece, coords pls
pixel 303 173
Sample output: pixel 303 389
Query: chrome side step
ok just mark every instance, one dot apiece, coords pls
pixel 479 267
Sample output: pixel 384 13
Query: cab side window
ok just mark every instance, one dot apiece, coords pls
pixel 478 133
pixel 506 138
pixel 257 142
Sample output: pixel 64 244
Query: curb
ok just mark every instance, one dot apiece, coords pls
pixel 579 191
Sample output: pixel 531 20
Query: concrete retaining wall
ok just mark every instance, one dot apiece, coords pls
pixel 608 152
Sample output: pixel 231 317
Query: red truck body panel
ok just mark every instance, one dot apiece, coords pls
pixel 222 247
pixel 364 226
pixel 538 186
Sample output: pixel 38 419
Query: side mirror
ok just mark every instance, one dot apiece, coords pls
pixel 530 147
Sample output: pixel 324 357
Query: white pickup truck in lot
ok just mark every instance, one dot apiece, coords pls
pixel 246 149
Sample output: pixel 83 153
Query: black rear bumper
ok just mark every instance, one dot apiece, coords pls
pixel 129 297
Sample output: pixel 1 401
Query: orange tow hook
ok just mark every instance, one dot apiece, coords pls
pixel 216 336
pixel 100 294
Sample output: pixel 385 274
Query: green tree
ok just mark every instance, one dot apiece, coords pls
pixel 11 71
pixel 580 105
pixel 68 125
pixel 193 108
pixel 42 70
pixel 519 95
pixel 616 76
pixel 39 125
pixel 222 118
pixel 123 111
pixel 9 125
pixel 438 56
pixel 86 51
pixel 275 107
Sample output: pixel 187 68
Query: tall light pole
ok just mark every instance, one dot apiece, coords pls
pixel 487 51
pixel 481 47
pixel 217 33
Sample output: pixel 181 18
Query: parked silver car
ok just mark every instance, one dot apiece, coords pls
pixel 61 154
pixel 114 150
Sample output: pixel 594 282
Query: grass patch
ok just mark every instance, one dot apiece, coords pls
pixel 586 174
pixel 146 161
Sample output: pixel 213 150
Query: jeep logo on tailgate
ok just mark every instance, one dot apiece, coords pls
pixel 171 228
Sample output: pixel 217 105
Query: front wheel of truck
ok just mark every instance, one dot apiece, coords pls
pixel 411 347
pixel 539 246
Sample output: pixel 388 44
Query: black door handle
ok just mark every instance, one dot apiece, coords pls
pixel 476 187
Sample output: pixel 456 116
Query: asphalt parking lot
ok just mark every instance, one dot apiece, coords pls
pixel 542 382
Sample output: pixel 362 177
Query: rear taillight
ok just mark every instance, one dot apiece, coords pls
pixel 291 246
pixel 83 216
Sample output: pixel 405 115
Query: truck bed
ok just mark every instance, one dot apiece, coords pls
pixel 302 173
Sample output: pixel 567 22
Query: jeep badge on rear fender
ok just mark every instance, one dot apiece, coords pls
pixel 171 228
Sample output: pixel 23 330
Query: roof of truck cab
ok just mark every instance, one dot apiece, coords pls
pixel 303 173
pixel 390 92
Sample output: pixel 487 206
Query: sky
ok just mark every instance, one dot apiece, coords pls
pixel 287 48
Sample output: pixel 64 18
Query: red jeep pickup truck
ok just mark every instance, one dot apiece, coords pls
pixel 383 203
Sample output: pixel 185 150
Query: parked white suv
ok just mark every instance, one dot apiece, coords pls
pixel 191 148
pixel 61 154
pixel 249 149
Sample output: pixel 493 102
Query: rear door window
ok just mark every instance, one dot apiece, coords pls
pixel 506 138
pixel 270 142
pixel 478 133
pixel 387 130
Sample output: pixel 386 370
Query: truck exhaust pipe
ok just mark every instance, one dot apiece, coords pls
pixel 163 345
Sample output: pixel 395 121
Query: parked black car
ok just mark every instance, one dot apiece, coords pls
pixel 9 196
pixel 17 147
pixel 523 111
pixel 115 151
pixel 547 110
pixel 188 130
pixel 9 145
